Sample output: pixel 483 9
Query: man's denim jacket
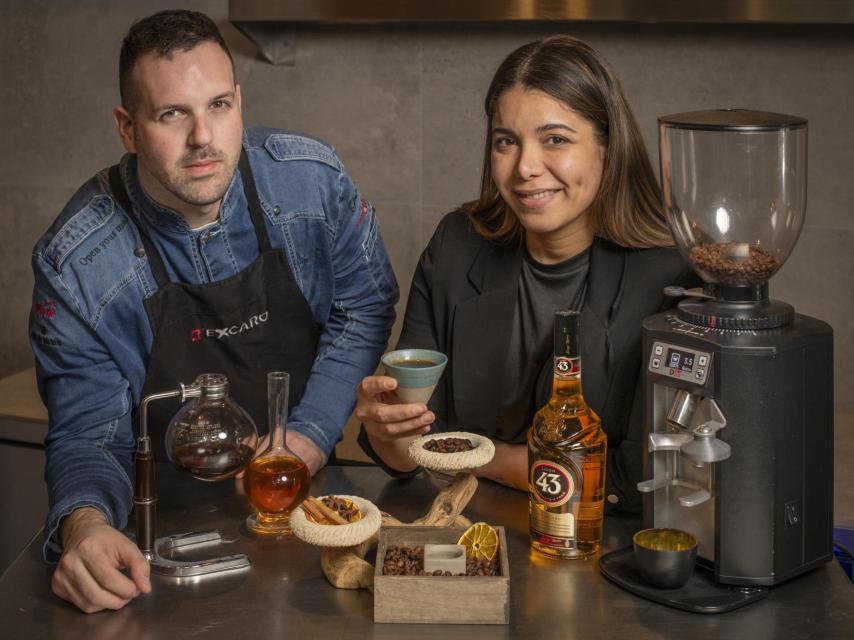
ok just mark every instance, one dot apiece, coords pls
pixel 91 336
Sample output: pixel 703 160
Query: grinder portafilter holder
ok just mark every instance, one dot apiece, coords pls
pixel 158 550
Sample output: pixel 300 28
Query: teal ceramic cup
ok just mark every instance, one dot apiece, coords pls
pixel 417 372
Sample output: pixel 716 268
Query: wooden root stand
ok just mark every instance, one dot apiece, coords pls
pixel 346 568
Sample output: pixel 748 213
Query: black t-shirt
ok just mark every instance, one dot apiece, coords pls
pixel 543 289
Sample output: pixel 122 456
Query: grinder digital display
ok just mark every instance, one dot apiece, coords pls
pixel 683 361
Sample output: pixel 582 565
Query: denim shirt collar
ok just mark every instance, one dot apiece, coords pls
pixel 163 217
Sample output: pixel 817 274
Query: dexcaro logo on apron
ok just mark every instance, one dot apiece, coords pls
pixel 196 335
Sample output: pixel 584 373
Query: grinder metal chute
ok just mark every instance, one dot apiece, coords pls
pixel 691 440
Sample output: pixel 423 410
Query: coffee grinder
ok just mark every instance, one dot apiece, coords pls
pixel 738 404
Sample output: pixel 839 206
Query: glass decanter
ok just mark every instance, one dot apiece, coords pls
pixel 276 480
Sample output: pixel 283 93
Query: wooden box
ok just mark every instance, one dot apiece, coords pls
pixel 439 599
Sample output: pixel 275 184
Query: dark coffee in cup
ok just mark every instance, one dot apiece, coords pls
pixel 414 363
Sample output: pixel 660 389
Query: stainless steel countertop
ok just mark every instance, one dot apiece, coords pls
pixel 284 594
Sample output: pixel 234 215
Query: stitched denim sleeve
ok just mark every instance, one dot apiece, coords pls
pixel 89 445
pixel 361 316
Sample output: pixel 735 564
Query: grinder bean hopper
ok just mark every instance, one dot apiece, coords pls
pixel 738 387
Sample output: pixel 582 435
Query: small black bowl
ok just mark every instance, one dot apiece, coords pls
pixel 665 557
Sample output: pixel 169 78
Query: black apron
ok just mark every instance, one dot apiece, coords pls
pixel 244 326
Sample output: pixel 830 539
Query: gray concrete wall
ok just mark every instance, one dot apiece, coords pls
pixel 402 104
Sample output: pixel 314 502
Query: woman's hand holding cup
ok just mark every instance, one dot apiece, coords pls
pixel 394 406
pixel 385 417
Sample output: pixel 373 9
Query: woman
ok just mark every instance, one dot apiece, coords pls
pixel 569 215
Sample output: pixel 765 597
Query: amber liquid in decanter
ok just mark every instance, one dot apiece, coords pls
pixel 277 480
pixel 274 486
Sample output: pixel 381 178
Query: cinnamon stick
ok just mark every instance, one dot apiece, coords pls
pixel 315 514
pixel 328 514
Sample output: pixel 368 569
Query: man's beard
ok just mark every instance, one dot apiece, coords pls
pixel 198 192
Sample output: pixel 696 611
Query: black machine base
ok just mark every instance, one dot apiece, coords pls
pixel 701 594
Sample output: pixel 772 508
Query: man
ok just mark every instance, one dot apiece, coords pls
pixel 207 249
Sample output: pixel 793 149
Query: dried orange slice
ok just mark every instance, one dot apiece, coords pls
pixel 480 540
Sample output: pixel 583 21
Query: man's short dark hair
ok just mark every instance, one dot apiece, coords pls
pixel 163 33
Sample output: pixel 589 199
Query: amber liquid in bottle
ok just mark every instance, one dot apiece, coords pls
pixel 276 481
pixel 566 458
pixel 274 486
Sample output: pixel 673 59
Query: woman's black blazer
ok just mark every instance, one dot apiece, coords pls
pixel 462 303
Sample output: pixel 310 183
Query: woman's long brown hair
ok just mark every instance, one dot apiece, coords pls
pixel 627 209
